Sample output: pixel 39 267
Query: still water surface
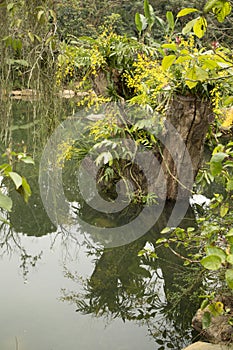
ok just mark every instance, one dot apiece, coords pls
pixel 61 290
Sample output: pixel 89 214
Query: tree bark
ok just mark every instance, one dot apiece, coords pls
pixel 191 117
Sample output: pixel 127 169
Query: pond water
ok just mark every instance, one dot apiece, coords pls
pixel 61 289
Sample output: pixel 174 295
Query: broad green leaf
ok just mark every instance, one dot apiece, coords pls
pixel 216 251
pixel 216 163
pixel 170 20
pixel 201 74
pixel 5 202
pixel 186 11
pixel 206 320
pixel 218 157
pixel 140 21
pixel 16 178
pixel 149 13
pixel 168 61
pixel 170 46
pixel 189 26
pixel 209 5
pixel 221 10
pixel 27 160
pixel 215 168
pixel 208 63
pixel 200 27
pixel 229 278
pixel 182 59
pixel 190 78
pixel 211 262
pixel 224 209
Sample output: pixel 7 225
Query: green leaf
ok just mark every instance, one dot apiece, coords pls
pixel 215 168
pixel 224 209
pixel 201 74
pixel 53 14
pixel 230 258
pixel 6 168
pixel 170 46
pixel 31 36
pixel 189 26
pixel 229 278
pixel 229 185
pixel 216 251
pixel 142 252
pixel 204 304
pixel 40 14
pixel 5 202
pixel 211 262
pixel 190 77
pixel 140 21
pixel 186 11
pixel 209 5
pixel 161 240
pixel 228 100
pixel 16 178
pixel 206 320
pixel 166 230
pixel 149 13
pixel 25 189
pixel 208 63
pixel 230 233
pixel 168 61
pixel 184 58
pixel 200 27
pixel 216 163
pixel 170 20
pixel 27 160
pixel 221 10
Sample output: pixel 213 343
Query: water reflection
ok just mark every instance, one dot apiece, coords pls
pixel 147 302
pixel 154 291
pixel 113 284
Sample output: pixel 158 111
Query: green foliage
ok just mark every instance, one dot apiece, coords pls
pixel 221 9
pixel 28 42
pixel 7 171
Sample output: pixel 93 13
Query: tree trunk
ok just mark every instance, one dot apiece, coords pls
pixel 191 117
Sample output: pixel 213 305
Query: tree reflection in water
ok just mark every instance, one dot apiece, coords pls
pixel 10 241
pixel 157 291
